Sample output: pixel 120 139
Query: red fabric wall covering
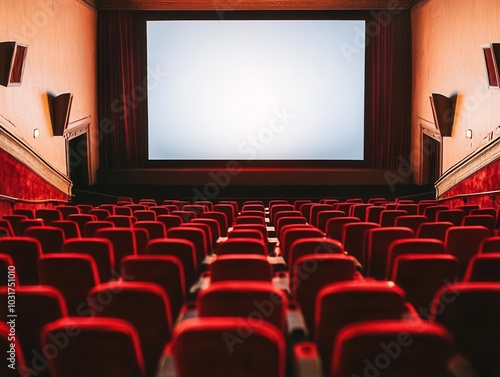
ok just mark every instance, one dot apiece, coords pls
pixel 19 181
pixel 486 179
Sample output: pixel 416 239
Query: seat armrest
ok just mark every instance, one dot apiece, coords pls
pixel 166 365
pixel 296 325
pixel 306 360
pixel 188 310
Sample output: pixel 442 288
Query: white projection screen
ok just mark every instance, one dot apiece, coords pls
pixel 256 90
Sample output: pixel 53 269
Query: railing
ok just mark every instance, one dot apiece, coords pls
pixel 13 201
pixel 464 197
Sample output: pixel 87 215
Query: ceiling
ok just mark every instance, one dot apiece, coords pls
pixel 253 4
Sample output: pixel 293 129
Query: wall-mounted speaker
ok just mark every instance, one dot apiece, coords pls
pixel 491 55
pixel 443 110
pixel 12 61
pixel 60 110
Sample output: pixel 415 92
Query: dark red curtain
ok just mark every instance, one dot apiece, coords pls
pixel 122 89
pixel 389 88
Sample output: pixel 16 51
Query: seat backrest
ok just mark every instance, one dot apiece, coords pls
pixel 421 275
pixel 100 249
pixel 221 219
pixel 248 300
pixel 123 240
pixel 219 349
pixel 324 216
pixel 483 267
pixel 314 210
pixel 411 221
pixel 242 246
pixel 121 221
pixel 410 208
pixel 435 230
pixel 146 306
pixel 94 347
pixel 182 249
pixel 251 267
pixel 73 274
pixel 156 229
pixel 228 210
pixel 334 226
pixel 68 210
pixel 470 312
pixel 388 217
pixel 40 305
pixel 82 219
pixel 145 215
pixel 424 350
pixel 164 270
pixel 294 233
pixel 101 214
pixel 353 235
pixel 24 252
pixel 454 216
pixel 464 242
pixel 378 241
pixel 246 233
pixel 313 246
pixel 51 238
pixel 412 246
pixel 48 215
pixel 359 210
pixel 343 303
pixel 279 208
pixel 490 245
pixel 70 228
pixel 487 221
pixel 195 235
pixel 310 273
pixel 431 211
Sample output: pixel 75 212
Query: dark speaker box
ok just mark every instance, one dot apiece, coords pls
pixel 491 54
pixel 12 61
pixel 443 110
pixel 60 109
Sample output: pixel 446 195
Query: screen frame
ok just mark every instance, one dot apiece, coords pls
pixel 309 15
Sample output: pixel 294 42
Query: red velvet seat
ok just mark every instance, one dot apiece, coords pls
pixel 343 303
pixel 242 246
pixel 73 275
pixel 219 350
pixel 251 267
pixel 378 241
pixel 421 275
pixel 248 300
pixel 95 347
pixel 39 305
pixel 166 271
pixel 411 246
pixel 146 306
pixel 310 273
pixel 182 249
pixel 100 249
pixel 470 312
pixel 416 350
pixel 25 253
pixel 51 238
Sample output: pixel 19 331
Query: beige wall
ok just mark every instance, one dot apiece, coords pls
pixel 447 36
pixel 61 39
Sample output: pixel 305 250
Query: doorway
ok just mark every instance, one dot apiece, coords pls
pixel 78 156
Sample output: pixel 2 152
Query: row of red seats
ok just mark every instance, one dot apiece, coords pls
pixel 339 258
